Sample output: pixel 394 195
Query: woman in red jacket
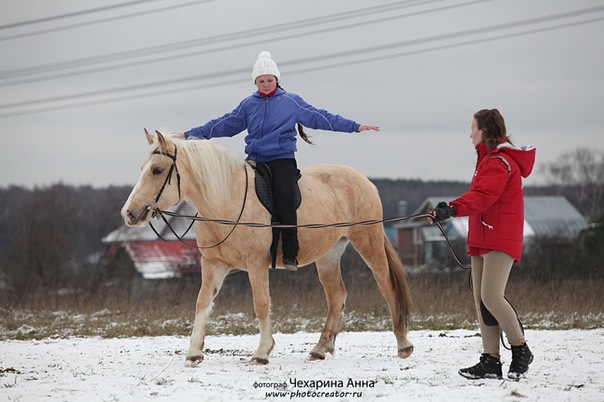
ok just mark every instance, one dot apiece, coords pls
pixel 495 207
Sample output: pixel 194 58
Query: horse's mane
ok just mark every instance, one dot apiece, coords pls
pixel 212 167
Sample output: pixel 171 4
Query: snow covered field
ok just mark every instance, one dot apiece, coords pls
pixel 568 366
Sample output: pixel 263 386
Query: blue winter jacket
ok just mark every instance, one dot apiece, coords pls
pixel 271 124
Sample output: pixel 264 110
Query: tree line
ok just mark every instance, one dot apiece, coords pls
pixel 51 236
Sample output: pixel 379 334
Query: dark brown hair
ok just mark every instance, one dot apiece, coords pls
pixel 300 127
pixel 492 124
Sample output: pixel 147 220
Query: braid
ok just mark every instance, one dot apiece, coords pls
pixel 303 135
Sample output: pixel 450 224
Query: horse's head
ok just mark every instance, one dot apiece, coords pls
pixel 158 185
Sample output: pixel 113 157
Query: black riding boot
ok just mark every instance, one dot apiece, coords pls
pixel 521 358
pixel 487 367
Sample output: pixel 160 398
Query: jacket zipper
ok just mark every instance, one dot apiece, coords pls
pixel 265 113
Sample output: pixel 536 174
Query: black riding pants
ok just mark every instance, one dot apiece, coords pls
pixel 284 177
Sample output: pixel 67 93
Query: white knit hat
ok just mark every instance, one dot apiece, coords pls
pixel 265 65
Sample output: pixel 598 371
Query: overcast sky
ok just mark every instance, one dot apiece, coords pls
pixel 79 80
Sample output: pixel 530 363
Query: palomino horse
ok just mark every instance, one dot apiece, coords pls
pixel 214 180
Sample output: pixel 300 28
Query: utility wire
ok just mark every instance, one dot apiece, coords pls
pixel 330 56
pixel 93 22
pixel 218 40
pixel 292 71
pixel 73 14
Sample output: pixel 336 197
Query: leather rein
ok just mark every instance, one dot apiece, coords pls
pixel 158 213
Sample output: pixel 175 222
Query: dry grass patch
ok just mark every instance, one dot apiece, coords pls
pixel 441 302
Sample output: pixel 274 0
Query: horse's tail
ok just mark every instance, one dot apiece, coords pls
pixel 404 303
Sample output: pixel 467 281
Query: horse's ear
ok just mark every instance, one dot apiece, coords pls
pixel 150 138
pixel 164 142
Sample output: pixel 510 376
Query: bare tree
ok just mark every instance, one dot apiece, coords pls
pixel 579 175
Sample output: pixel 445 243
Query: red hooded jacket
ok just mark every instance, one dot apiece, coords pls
pixel 495 201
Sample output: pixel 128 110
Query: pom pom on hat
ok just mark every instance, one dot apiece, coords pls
pixel 265 65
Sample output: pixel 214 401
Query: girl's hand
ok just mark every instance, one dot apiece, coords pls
pixel 364 127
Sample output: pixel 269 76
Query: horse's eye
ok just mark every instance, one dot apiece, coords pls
pixel 157 171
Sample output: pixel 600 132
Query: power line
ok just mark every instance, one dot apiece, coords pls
pixel 372 49
pixel 326 57
pixel 101 20
pixel 171 47
pixel 73 14
pixel 292 71
pixel 217 40
pixel 450 46
pixel 98 21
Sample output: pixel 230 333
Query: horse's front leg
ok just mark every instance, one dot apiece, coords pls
pixel 211 282
pixel 260 290
pixel 330 276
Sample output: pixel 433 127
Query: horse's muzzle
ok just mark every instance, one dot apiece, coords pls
pixel 136 220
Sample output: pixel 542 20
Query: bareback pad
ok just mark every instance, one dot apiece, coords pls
pixel 262 182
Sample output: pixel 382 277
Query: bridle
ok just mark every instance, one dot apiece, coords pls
pixel 157 212
pixel 168 180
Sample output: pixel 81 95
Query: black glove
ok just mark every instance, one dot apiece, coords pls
pixel 443 211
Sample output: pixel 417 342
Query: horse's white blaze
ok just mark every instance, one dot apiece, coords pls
pixel 133 193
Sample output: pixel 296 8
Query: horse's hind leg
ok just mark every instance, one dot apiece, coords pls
pixel 211 282
pixel 259 280
pixel 375 248
pixel 330 275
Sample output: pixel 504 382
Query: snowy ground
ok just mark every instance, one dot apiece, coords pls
pixel 568 366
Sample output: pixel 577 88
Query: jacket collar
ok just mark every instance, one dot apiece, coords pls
pixel 278 91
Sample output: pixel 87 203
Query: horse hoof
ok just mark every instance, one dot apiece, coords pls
pixel 193 361
pixel 258 361
pixel 314 356
pixel 405 353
